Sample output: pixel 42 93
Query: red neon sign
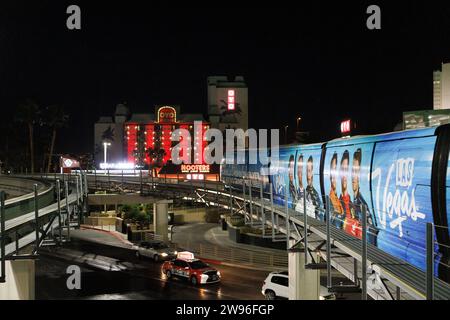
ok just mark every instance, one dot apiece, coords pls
pixel 195 168
pixel 346 126
pixel 231 100
pixel 167 114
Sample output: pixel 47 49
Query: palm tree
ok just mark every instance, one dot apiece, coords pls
pixel 158 154
pixel 225 111
pixel 108 134
pixel 28 113
pixel 55 118
pixel 139 155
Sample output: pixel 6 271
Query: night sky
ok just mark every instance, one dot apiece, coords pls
pixel 317 61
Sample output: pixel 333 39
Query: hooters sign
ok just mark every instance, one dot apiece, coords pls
pixel 195 168
pixel 167 114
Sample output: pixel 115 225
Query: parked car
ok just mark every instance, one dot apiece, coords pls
pixel 276 286
pixel 156 250
pixel 191 269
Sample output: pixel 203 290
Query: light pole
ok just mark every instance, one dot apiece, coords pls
pixel 105 147
pixel 298 123
pixel 285 134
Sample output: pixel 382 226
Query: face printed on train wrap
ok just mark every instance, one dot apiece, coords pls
pixel 300 172
pixel 344 172
pixel 309 172
pixel 333 172
pixel 356 169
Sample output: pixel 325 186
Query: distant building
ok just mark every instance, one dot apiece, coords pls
pixel 144 139
pixel 227 103
pixel 441 104
pixel 425 118
pixel 148 140
pixel 110 130
pixel 441 87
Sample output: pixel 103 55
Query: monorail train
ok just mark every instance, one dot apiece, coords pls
pixel 403 179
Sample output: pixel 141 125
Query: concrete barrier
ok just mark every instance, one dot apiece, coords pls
pixel 20 281
pixel 189 215
pixel 237 236
pixel 25 203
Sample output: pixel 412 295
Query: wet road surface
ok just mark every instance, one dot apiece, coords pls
pixel 115 273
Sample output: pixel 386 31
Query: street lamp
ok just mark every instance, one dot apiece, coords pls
pixel 298 122
pixel 105 147
pixel 285 134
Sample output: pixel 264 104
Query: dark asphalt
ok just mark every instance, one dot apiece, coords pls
pixel 115 273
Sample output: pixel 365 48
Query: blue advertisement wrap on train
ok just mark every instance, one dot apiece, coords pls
pixel 401 195
pixel 236 169
pixel 448 193
pixel 347 184
pixel 393 176
pixel 259 173
pixel 298 172
pixel 253 173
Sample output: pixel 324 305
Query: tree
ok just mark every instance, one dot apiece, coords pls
pixel 108 134
pixel 156 155
pixel 139 155
pixel 55 118
pixel 132 213
pixel 28 113
pixel 157 152
pixel 225 111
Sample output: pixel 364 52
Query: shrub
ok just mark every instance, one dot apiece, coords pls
pixel 125 209
pixel 132 214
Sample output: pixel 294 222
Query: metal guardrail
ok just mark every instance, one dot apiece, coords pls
pixel 17 205
pixel 236 255
pixel 36 221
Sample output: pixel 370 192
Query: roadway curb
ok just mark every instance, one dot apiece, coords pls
pixel 87 227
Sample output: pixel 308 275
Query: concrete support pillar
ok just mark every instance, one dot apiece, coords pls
pixel 304 284
pixel 20 281
pixel 161 219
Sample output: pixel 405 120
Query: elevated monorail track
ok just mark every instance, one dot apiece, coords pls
pixel 389 278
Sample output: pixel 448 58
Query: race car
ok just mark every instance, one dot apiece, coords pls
pixel 194 270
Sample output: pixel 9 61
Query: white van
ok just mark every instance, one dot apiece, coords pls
pixel 276 286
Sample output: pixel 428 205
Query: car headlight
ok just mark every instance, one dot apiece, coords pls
pixel 175 252
pixel 218 273
pixel 164 254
